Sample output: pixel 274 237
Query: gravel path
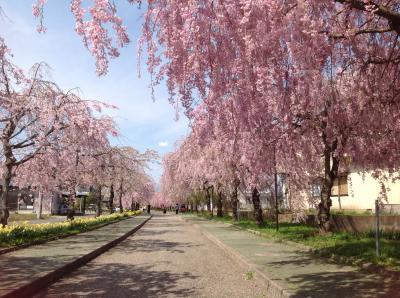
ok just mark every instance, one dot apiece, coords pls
pixel 165 258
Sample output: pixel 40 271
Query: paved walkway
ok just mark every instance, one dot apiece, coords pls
pixel 297 271
pixel 25 265
pixel 165 258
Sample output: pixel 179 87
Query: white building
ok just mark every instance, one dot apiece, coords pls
pixel 355 191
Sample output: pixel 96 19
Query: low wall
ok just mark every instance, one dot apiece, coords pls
pixel 360 223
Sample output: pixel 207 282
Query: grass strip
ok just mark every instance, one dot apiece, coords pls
pixel 18 234
pixel 25 216
pixel 345 247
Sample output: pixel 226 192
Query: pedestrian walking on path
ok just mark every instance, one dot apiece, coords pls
pixel 176 208
pixel 148 208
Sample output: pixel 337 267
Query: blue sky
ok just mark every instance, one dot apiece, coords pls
pixel 143 123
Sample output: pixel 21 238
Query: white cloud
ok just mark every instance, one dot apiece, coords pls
pixel 162 144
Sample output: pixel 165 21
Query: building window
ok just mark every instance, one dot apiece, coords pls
pixel 340 186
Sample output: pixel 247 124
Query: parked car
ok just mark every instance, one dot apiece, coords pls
pixel 182 208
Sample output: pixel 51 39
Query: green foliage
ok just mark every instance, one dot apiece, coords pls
pixel 249 275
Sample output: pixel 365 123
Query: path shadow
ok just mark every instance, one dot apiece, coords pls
pixel 297 261
pixel 150 232
pixel 151 245
pixel 17 271
pixel 165 221
pixel 117 280
pixel 336 283
pixel 344 284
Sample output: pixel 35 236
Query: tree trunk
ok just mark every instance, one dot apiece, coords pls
pixel 324 214
pixel 120 199
pixel 258 215
pixel 4 214
pixel 219 203
pixel 208 197
pixel 324 206
pixel 71 201
pixel 98 200
pixel 235 203
pixel 51 205
pixel 111 199
pixel 212 201
pixel 84 205
pixel 8 164
pixel 331 173
pixel 40 210
pixel 132 204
